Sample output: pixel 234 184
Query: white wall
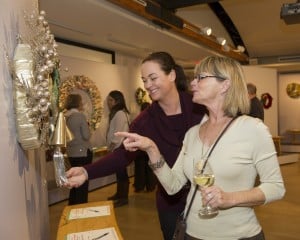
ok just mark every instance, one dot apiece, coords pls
pixel 24 205
pixel 106 77
pixel 124 76
pixel 265 80
pixel 289 108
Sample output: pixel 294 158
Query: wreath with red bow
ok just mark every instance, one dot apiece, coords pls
pixel 266 100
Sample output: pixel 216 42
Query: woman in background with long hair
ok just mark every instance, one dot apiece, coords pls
pixel 79 149
pixel 118 119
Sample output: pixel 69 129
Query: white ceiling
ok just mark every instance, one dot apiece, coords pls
pixel 102 24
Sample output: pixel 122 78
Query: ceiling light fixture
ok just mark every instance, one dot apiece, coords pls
pixel 239 49
pixel 225 48
pixel 221 41
pixel 206 30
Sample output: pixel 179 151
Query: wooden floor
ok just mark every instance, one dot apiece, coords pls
pixel 139 221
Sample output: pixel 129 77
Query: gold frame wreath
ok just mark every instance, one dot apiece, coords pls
pixel 140 96
pixel 293 90
pixel 85 84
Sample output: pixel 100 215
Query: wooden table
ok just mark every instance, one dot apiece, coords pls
pixel 294 133
pixel 67 226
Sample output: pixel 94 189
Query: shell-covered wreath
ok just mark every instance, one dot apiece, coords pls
pixel 83 83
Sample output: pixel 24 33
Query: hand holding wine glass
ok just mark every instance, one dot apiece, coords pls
pixel 204 178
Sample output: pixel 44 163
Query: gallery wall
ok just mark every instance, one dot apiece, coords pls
pixel 123 76
pixel 289 108
pixel 265 80
pixel 23 186
pixel 107 77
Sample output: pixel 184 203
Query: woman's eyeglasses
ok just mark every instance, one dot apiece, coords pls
pixel 199 77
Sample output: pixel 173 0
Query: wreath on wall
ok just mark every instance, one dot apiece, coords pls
pixel 88 86
pixel 293 90
pixel 140 95
pixel 34 60
pixel 266 100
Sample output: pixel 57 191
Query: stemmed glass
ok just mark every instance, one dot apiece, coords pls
pixel 204 179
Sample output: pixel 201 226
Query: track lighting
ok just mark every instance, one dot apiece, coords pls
pixel 239 49
pixel 226 48
pixel 206 30
pixel 221 41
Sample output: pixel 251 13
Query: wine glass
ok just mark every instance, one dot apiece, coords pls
pixel 203 179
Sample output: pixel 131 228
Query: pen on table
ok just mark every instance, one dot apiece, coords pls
pixel 101 236
pixel 93 210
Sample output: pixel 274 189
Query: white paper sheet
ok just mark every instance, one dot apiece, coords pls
pixel 99 234
pixel 88 212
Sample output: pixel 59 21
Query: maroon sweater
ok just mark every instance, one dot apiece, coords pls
pixel 168 133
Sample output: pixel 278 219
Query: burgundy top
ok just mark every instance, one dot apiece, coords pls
pixel 168 133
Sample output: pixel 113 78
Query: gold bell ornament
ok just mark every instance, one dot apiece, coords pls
pixel 60 137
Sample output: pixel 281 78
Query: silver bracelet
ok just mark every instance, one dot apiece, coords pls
pixel 158 164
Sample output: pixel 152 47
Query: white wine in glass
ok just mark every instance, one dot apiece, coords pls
pixel 205 180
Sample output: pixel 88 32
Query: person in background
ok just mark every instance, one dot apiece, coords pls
pixel 118 121
pixel 144 177
pixel 256 106
pixel 235 161
pixel 78 150
pixel 170 115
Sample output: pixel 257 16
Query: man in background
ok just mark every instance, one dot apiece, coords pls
pixel 256 107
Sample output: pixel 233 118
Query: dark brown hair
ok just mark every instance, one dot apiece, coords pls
pixel 73 101
pixel 167 64
pixel 120 103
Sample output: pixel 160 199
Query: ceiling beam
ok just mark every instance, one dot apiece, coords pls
pixel 228 24
pixel 175 4
pixel 184 29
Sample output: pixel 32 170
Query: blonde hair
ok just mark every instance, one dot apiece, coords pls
pixel 236 100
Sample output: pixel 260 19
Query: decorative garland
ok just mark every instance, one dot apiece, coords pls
pixel 140 95
pixel 88 86
pixel 266 100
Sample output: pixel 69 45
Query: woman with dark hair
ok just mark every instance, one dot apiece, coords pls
pixel 170 115
pixel 78 150
pixel 118 119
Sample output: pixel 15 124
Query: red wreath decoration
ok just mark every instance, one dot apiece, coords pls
pixel 266 100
